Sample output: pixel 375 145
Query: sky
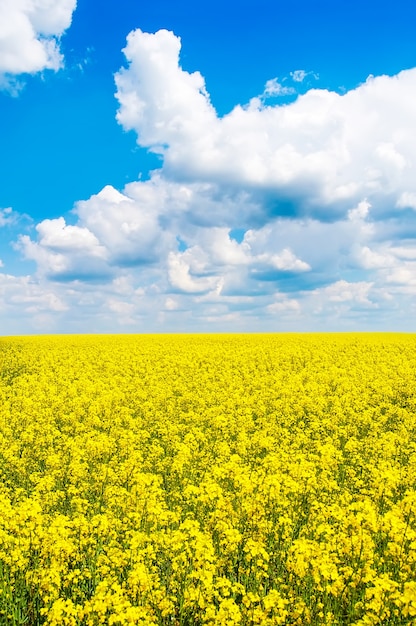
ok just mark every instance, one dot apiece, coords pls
pixel 207 167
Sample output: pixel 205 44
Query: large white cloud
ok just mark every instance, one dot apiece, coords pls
pixel 318 154
pixel 157 98
pixel 29 34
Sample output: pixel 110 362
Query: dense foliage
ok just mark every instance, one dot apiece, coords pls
pixel 219 480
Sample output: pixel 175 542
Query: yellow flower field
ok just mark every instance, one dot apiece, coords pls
pixel 208 480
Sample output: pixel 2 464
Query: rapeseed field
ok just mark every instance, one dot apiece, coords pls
pixel 208 480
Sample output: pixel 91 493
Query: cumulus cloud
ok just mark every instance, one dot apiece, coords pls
pixel 29 35
pixel 180 267
pixel 113 230
pixel 64 251
pixel 127 227
pixel 323 152
pixel 157 98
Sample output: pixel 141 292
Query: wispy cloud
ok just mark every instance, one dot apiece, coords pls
pixel 274 88
pixel 299 76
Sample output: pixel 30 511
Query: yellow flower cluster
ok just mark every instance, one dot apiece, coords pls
pixel 215 480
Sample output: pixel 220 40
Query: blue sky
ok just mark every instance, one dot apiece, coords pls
pixel 214 166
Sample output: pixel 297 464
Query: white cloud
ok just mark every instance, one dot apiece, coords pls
pixel 127 227
pixel 157 99
pixel 217 263
pixel 360 212
pixel 56 235
pixel 372 259
pixel 404 252
pixel 299 75
pixel 338 306
pixel 113 230
pixel 171 304
pixel 403 275
pixel 274 88
pixel 125 311
pixel 283 305
pixel 285 261
pixel 223 250
pixel 36 302
pixel 24 295
pixel 407 199
pixel 29 35
pixel 388 153
pixel 324 151
pixel 7 216
pixel 185 269
pixel 63 250
pixel 344 291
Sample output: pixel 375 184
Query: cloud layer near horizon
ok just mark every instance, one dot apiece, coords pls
pixel 283 216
